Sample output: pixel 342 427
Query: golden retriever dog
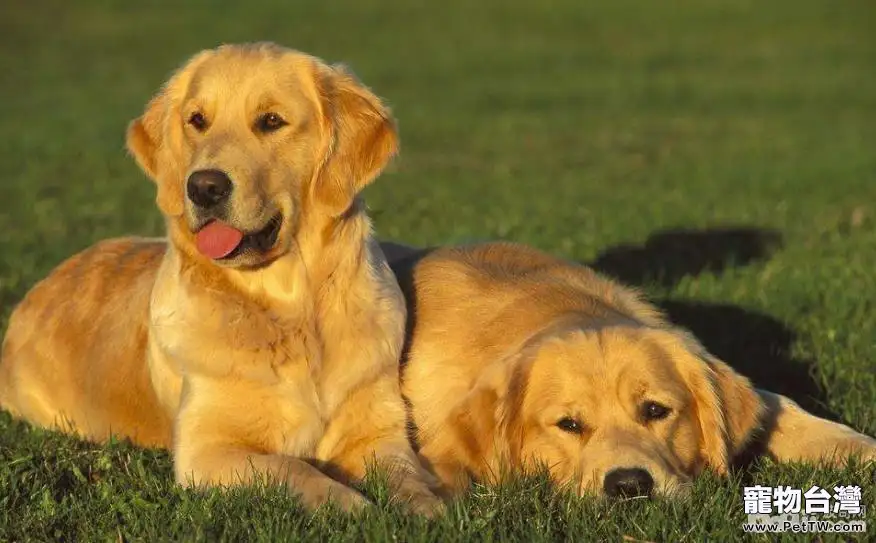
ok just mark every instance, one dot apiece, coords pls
pixel 260 339
pixel 517 360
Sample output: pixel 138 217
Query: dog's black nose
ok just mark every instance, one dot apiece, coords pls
pixel 208 188
pixel 628 483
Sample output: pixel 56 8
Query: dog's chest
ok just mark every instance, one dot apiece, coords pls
pixel 306 405
pixel 300 417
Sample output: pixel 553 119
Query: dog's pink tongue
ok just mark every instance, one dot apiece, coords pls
pixel 217 240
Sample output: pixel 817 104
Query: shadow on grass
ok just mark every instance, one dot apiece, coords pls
pixel 755 344
pixel 669 256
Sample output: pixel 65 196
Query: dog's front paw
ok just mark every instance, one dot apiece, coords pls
pixel 344 497
pixel 840 448
pixel 425 504
pixel 864 447
pixel 349 500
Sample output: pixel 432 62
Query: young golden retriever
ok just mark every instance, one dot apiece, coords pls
pixel 516 359
pixel 261 339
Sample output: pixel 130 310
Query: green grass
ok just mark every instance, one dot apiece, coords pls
pixel 626 134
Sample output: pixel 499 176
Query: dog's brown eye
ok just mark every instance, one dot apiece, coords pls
pixel 654 411
pixel 568 424
pixel 198 121
pixel 270 122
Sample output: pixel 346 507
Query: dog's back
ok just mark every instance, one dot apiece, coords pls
pixel 506 288
pixel 74 355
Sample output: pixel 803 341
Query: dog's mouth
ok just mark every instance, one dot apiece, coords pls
pixel 218 240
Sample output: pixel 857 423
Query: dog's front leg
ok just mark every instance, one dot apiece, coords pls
pixel 370 428
pixel 220 442
pixel 792 434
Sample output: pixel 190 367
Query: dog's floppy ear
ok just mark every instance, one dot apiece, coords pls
pixel 482 436
pixel 147 137
pixel 728 409
pixel 361 138
pixel 144 134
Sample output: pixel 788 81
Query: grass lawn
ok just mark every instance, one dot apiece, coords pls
pixel 720 154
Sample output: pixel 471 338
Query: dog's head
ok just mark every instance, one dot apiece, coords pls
pixel 620 410
pixel 246 142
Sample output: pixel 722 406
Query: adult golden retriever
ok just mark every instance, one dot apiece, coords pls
pixel 262 337
pixel 517 359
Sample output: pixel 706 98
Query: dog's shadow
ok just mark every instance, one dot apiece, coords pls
pixel 755 344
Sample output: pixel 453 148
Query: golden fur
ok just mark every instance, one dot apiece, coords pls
pixel 506 342
pixel 283 362
pixel 280 362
